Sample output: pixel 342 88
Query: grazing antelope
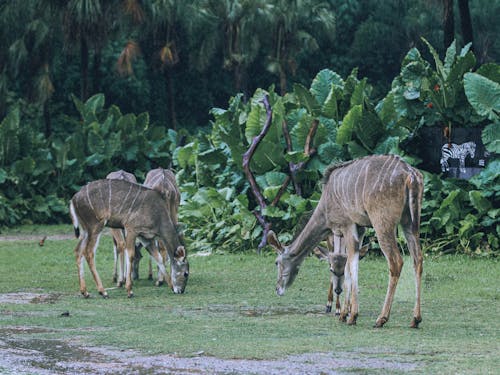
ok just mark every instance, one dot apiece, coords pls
pixel 378 191
pixel 119 240
pixel 134 208
pixel 164 181
pixel 336 255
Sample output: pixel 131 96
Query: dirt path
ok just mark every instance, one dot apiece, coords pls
pixel 22 352
pixel 35 237
pixel 41 356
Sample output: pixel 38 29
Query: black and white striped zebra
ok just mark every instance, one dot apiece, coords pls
pixel 456 152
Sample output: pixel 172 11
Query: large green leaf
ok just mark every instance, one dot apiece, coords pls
pixel 24 167
pixel 306 99
pixel 142 121
pixel 95 143
pixel 127 124
pixel 354 116
pixel 300 130
pixel 389 146
pixel 449 59
pixel 412 55
pixel 369 129
pixel 113 144
pixel 255 123
pixel 186 156
pixel 359 95
pixel 9 137
pixel 329 152
pixel 490 71
pixel 95 104
pixel 356 150
pixel 387 111
pixel 268 156
pixel 296 157
pixel 479 202
pixel 330 107
pixel 491 137
pixel 324 83
pixel 439 64
pixel 462 65
pixel 274 178
pixel 483 94
pixel 320 86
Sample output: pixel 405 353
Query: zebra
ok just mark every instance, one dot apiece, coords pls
pixel 455 151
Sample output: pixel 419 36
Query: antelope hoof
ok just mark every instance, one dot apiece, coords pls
pixel 415 322
pixel 150 277
pixel 104 295
pixel 85 294
pixel 352 320
pixel 130 294
pixel 328 309
pixel 380 322
pixel 337 313
pixel 343 318
pixel 158 283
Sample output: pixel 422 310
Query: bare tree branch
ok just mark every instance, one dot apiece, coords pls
pixel 247 157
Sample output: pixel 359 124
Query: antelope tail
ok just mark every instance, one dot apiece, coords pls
pixel 74 219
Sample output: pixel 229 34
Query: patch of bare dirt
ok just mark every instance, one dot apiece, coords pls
pixel 36 237
pixel 27 297
pixel 26 354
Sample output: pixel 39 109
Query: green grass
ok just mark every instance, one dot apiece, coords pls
pixel 230 309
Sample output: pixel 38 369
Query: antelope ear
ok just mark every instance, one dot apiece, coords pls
pixel 179 228
pixel 180 254
pixel 363 251
pixel 272 239
pixel 321 252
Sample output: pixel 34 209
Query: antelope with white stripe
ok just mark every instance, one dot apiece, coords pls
pixel 135 209
pixel 378 191
pixel 164 181
pixel 119 240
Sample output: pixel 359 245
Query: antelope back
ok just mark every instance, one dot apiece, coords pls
pixel 372 189
pixel 122 175
pixel 163 180
pixel 119 203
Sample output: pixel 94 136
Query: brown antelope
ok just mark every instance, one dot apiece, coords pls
pixel 378 191
pixel 134 208
pixel 119 239
pixel 336 255
pixel 164 181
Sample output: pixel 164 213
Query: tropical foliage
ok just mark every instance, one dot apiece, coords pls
pixel 163 64
pixel 334 120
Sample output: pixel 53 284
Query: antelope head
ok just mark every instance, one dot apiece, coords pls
pixel 285 262
pixel 179 269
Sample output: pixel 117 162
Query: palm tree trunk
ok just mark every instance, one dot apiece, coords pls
pixel 171 97
pixel 448 23
pixel 84 68
pixel 465 21
pixel 46 119
pixel 283 81
pixel 96 75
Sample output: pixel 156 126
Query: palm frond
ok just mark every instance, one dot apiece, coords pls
pixel 124 64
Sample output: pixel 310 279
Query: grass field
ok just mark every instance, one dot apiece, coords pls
pixel 230 309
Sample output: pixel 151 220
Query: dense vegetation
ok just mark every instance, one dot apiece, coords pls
pixel 377 95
